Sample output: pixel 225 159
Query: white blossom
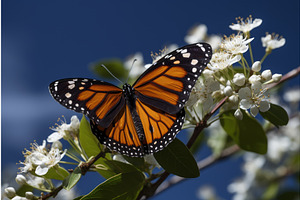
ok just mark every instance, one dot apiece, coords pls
pixel 238 114
pixel 254 78
pixel 136 62
pixel 196 34
pixel 272 42
pixel 247 25
pixel 256 67
pixel 292 95
pixel 276 77
pixel 10 192
pixel 239 79
pixel 20 179
pixel 65 130
pixel 40 160
pixel 236 44
pixel 254 101
pixel 221 60
pixel 266 75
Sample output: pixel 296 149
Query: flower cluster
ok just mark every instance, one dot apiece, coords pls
pixel 244 85
pixel 39 160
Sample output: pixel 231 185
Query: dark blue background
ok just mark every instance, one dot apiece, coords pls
pixel 46 40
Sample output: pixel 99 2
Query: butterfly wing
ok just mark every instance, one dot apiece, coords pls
pixel 167 84
pixel 121 135
pixel 99 100
pixel 160 128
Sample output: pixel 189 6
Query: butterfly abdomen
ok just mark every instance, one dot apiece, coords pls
pixel 130 101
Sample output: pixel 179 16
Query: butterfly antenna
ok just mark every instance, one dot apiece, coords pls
pixel 130 69
pixel 111 74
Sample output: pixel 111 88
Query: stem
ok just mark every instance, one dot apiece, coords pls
pixel 251 54
pixel 265 56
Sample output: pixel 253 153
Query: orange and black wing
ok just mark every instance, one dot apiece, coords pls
pixel 160 128
pixel 167 84
pixel 121 135
pixel 99 100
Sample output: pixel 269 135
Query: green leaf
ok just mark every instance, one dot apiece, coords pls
pixel 114 65
pixel 247 133
pixel 72 179
pixel 276 115
pixel 57 172
pixel 88 140
pixel 271 191
pixel 92 147
pixel 177 159
pixel 139 163
pixel 123 186
pixel 23 189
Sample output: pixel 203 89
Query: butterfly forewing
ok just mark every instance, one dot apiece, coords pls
pixel 167 84
pixel 99 100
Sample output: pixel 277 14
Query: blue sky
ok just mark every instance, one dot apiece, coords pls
pixel 47 40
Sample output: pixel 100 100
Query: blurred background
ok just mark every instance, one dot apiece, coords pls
pixel 47 40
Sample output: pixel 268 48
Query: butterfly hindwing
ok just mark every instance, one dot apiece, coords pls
pixel 99 100
pixel 168 82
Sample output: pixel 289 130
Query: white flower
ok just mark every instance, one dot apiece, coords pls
pixel 196 34
pixel 29 195
pixel 239 79
pixel 236 44
pixel 214 41
pixel 40 159
pixel 206 192
pixel 136 62
pixel 256 87
pixel 253 101
pixel 277 146
pixel 254 78
pixel 272 42
pixel 292 95
pixel 247 25
pixel 65 130
pixel 10 192
pixel 238 114
pixel 221 60
pixel 276 77
pixel 228 90
pixel 20 179
pixel 35 181
pixel 256 66
pixel 266 75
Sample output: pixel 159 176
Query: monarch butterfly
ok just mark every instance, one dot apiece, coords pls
pixel 142 118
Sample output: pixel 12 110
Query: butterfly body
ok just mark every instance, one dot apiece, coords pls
pixel 142 118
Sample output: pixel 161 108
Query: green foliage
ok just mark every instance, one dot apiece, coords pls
pixel 276 115
pixel 114 65
pixel 177 159
pixel 57 172
pixel 247 133
pixel 23 189
pixel 123 186
pixel 72 179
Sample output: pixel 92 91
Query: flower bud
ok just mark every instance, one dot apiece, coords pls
pixel 239 79
pixel 276 77
pixel 20 179
pixel 266 75
pixel 56 145
pixel 256 67
pixel 10 192
pixel 254 78
pixel 234 99
pixel 238 114
pixel 29 195
pixel 228 90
